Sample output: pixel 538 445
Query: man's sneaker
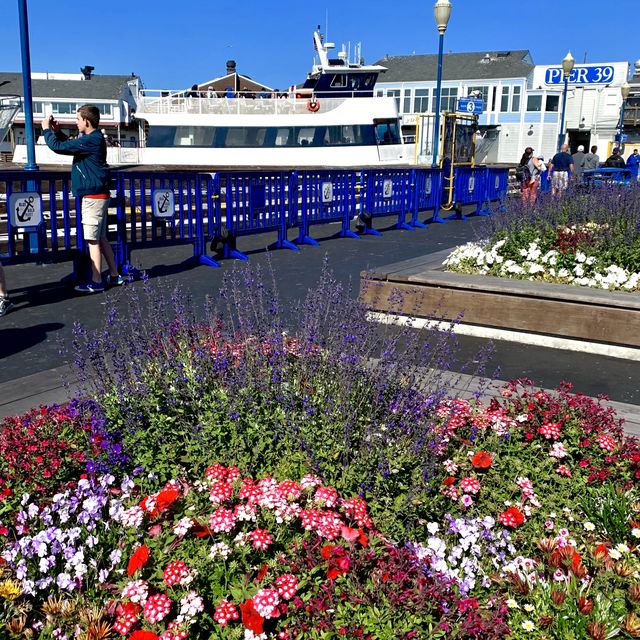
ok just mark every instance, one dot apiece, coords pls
pixel 90 287
pixel 5 306
pixel 115 281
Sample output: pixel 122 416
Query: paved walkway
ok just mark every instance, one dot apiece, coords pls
pixel 32 336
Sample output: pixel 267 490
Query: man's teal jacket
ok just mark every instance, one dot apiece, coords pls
pixel 90 171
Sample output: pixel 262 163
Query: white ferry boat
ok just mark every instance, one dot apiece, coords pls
pixel 333 120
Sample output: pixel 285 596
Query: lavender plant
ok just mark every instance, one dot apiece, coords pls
pixel 312 387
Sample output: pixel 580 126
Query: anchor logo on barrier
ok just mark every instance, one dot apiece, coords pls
pixel 163 203
pixel 28 209
pixel 326 194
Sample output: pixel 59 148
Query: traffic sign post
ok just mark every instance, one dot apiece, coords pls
pixel 470 105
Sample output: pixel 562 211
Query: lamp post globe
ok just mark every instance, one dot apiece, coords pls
pixel 624 90
pixel 442 13
pixel 567 64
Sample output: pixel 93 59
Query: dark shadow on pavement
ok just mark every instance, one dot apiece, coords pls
pixel 18 339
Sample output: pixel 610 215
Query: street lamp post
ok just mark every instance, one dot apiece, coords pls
pixel 624 91
pixel 26 84
pixel 442 13
pixel 567 68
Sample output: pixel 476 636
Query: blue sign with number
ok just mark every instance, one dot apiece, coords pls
pixel 470 105
pixel 597 74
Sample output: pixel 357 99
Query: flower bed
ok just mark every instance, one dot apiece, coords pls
pixel 589 239
pixel 251 484
pixel 573 256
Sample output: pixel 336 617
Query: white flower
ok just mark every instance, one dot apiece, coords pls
pixel 527 625
pixel 614 554
pixel 529 608
pixel 512 604
pixel 589 526
pixel 622 548
pixel 635 532
pixel 433 528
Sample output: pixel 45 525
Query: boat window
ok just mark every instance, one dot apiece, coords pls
pixel 193 136
pixel 339 80
pixel 265 137
pixel 369 80
pixel 245 137
pixel 305 136
pixel 387 132
pixel 284 137
pixel 161 136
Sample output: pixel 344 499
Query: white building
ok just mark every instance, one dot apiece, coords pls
pixel 522 101
pixel 60 95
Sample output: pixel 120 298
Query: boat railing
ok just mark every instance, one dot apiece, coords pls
pixel 192 102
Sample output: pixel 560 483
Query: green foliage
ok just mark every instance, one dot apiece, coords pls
pixel 610 508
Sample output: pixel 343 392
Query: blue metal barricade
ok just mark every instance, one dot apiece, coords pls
pixel 325 196
pixel 496 187
pixel 427 192
pixel 605 175
pixel 43 221
pixel 386 191
pixel 248 203
pixel 470 189
pixel 160 209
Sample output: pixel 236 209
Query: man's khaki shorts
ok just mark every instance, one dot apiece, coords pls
pixel 94 218
pixel 560 180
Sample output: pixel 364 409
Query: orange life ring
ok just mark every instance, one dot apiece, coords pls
pixel 313 105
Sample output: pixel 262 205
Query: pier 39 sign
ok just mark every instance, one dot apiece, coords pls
pixel 592 74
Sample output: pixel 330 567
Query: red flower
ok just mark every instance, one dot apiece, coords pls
pixel 166 498
pixel 512 517
pixel 481 460
pixel 448 481
pixel 141 634
pixel 138 559
pixel 251 619
pixel 200 530
pixel 327 551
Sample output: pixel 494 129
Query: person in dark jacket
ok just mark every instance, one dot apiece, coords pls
pixel 615 160
pixel 90 183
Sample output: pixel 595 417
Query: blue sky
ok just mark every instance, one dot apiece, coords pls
pixel 176 43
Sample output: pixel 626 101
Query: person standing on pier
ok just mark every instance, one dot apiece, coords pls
pixel 5 304
pixel 560 167
pixel 90 182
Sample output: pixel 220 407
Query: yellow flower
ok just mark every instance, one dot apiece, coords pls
pixel 10 589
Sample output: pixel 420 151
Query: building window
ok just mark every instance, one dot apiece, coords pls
pixel 104 108
pixel 515 103
pixel 481 92
pixel 394 93
pixel 504 100
pixel 38 107
pixel 449 97
pixel 421 101
pixel 63 107
pixel 552 103
pixel 407 101
pixel 534 103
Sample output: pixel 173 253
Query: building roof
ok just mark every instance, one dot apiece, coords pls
pixel 480 65
pixel 236 81
pixel 98 87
